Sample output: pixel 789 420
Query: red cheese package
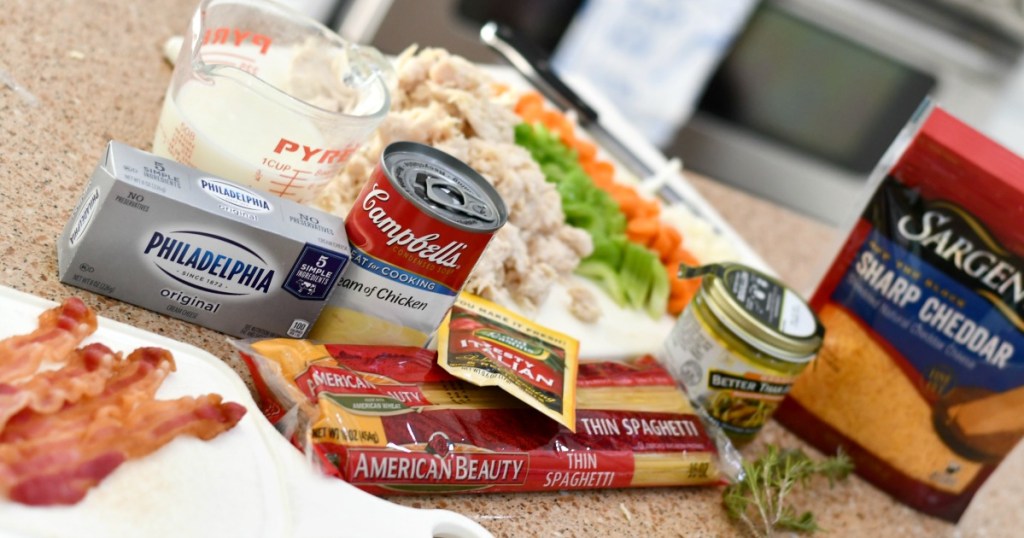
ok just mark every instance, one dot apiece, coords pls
pixel 390 420
pixel 919 378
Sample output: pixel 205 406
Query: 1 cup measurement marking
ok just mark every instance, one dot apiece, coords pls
pixel 276 167
pixel 239 61
pixel 235 108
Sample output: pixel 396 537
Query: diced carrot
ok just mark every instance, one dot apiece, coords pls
pixel 586 150
pixel 557 122
pixel 677 286
pixel 604 182
pixel 529 100
pixel 674 237
pixel 642 230
pixel 531 115
pixel 678 301
pixel 681 255
pixel 604 167
pixel 664 243
pixel 627 198
pixel 677 304
pixel 648 207
pixel 602 172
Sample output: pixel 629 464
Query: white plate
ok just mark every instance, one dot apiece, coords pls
pixel 248 481
pixel 620 333
pixel 625 333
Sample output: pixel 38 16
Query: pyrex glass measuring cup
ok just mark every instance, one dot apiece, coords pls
pixel 267 97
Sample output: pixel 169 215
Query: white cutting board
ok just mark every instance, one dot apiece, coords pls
pixel 248 481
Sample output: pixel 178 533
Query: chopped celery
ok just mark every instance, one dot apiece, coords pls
pixel 657 302
pixel 606 276
pixel 630 273
pixel 635 275
pixel 609 251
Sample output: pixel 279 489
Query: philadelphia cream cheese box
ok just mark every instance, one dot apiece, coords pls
pixel 170 238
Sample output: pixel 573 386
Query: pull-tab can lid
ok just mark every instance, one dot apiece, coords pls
pixel 444 187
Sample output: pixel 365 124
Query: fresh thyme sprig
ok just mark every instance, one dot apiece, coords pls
pixel 759 499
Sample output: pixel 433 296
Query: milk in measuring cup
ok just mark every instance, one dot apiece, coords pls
pixel 234 133
pixel 281 115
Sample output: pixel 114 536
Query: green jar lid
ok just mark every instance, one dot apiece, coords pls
pixel 760 310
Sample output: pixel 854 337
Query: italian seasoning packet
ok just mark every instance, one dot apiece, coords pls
pixel 488 345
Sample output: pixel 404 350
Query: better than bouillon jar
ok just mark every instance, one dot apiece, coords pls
pixel 740 344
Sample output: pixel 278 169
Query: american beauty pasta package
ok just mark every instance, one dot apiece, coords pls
pixel 390 420
pixel 921 375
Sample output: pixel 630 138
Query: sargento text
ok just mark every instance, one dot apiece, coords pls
pixel 935 231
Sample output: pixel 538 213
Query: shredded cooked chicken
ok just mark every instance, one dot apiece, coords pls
pixel 445 101
pixel 314 75
pixel 584 305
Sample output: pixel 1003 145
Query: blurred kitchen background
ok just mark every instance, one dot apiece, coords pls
pixel 792 100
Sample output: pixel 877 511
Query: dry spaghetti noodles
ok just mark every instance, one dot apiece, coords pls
pixel 390 420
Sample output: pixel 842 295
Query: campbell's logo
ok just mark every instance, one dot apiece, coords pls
pixel 954 238
pixel 235 195
pixel 209 262
pixel 236 37
pixel 429 247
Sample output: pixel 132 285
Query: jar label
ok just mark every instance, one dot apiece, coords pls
pixel 738 394
pixel 797 318
pixel 770 303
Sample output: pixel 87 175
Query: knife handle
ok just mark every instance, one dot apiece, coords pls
pixel 533 64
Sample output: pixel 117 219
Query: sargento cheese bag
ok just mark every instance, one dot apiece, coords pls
pixel 921 375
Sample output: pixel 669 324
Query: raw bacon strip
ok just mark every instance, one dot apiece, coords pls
pixel 84 375
pixel 48 459
pixel 132 380
pixel 134 430
pixel 155 423
pixel 60 330
pixel 29 435
pixel 67 486
pixel 64 475
pixel 64 429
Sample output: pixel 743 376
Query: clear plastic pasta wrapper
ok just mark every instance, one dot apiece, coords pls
pixel 390 420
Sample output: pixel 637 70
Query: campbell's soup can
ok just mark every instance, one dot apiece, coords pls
pixel 416 230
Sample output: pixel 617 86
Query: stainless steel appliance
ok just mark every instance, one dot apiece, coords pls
pixel 825 84
pixel 813 91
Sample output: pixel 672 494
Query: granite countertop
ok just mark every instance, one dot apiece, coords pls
pixel 74 75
